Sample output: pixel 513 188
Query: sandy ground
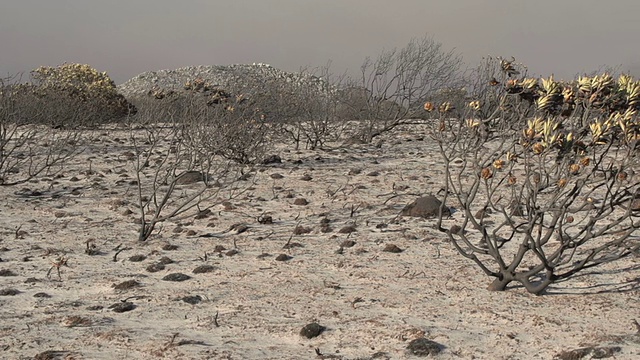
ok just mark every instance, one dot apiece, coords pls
pixel 251 306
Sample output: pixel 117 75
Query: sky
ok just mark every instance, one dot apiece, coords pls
pixel 125 38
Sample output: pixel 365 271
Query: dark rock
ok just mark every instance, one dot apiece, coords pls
pixel 272 159
pixel 347 244
pixel 265 219
pixel 204 269
pixel 203 214
pixel 300 201
pixel 392 248
pixel 425 207
pixel 325 228
pixel 347 229
pixel 482 213
pixel 423 347
pixel 299 230
pixel 9 292
pixel 155 267
pixel 126 285
pixel 193 300
pixel 41 295
pixel 283 257
pixel 291 245
pixel 137 258
pixel 189 177
pixel 455 229
pixel 122 307
pixel 7 272
pixel 176 277
pixel 312 330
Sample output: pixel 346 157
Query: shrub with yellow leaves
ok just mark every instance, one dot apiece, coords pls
pixel 555 164
pixel 73 95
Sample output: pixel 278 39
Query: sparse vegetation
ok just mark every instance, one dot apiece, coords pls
pixel 539 184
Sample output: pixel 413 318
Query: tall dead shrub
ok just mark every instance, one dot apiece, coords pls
pixel 391 88
pixel 29 149
pixel 182 160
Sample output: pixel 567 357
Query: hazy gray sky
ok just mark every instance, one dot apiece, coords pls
pixel 126 38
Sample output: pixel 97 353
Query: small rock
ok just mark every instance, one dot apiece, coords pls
pixel 41 295
pixel 122 307
pixel 265 219
pixel 312 330
pixel 299 230
pixel 155 267
pixel 203 214
pixel 137 258
pixel 193 300
pixel 291 245
pixel 176 277
pixel 455 229
pixel 306 177
pixel 482 213
pixel 425 207
pixel 325 228
pixel 166 260
pixel 392 248
pixel 232 252
pixel 347 244
pixel 300 201
pixel 423 347
pixel 347 229
pixel 126 285
pixel 7 272
pixel 272 159
pixel 240 228
pixel 283 257
pixel 204 269
pixel 9 292
pixel 276 176
pixel 170 247
pixel 189 177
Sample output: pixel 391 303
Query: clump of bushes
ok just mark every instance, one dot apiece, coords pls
pixel 70 96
